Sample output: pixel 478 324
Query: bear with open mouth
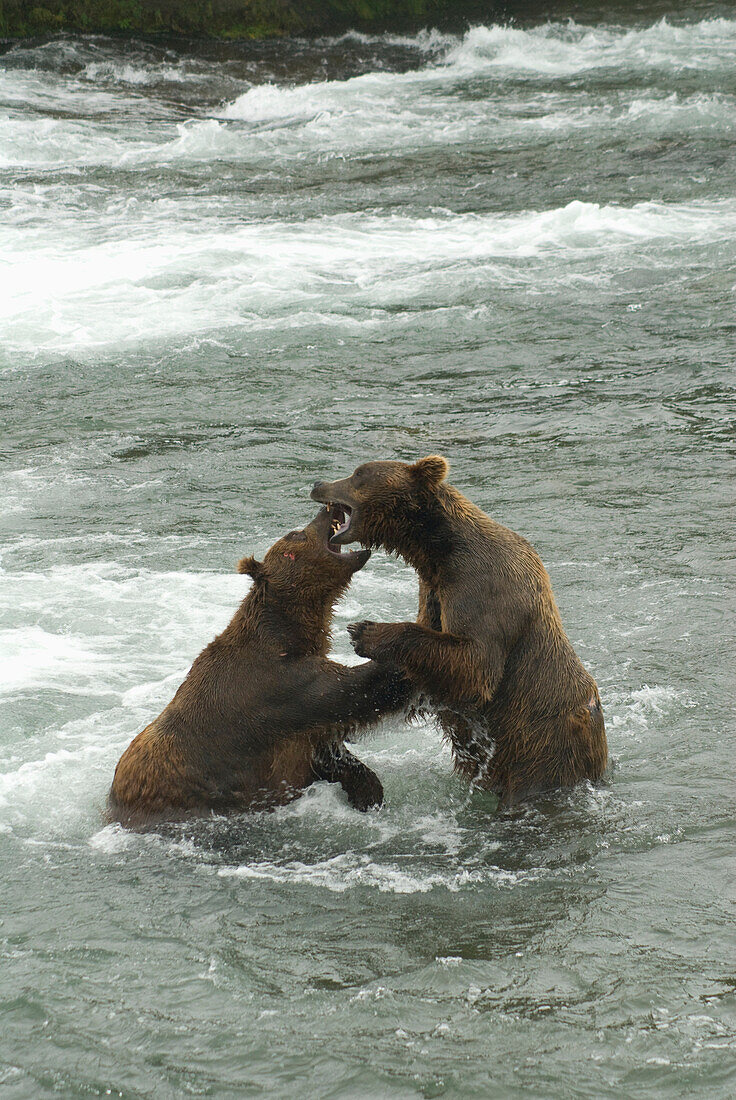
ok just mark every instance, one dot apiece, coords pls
pixel 488 649
pixel 263 712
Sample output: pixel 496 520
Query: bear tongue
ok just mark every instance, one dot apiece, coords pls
pixel 341 521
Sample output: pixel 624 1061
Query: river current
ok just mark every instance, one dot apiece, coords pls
pixel 229 270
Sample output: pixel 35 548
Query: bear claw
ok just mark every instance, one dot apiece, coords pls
pixel 361 643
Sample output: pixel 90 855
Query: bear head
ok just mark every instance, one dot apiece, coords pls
pixel 389 504
pixel 304 563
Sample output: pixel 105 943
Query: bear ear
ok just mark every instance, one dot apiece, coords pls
pixel 252 567
pixel 431 470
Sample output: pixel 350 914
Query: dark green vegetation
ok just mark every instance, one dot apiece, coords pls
pixel 230 18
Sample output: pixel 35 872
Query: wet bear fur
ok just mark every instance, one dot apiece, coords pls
pixel 488 649
pixel 263 712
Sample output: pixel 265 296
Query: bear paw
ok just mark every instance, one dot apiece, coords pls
pixel 366 793
pixel 366 639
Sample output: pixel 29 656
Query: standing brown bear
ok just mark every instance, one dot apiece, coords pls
pixel 488 649
pixel 263 713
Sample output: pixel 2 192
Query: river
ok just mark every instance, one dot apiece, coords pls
pixel 228 270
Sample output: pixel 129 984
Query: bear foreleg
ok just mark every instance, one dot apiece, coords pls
pixel 440 664
pixel 338 697
pixel 335 764
pixel 429 612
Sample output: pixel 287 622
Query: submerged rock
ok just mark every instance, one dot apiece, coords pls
pixel 232 18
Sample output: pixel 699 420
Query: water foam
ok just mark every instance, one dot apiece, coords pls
pixel 119 638
pixel 425 41
pixel 65 143
pixel 565 49
pixel 351 870
pixel 158 282
pixel 116 72
pixel 379 110
pixel 554 50
pixel 644 706
pixel 37 91
pixel 35 658
pixel 335 119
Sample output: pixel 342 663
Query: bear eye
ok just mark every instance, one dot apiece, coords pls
pixel 296 536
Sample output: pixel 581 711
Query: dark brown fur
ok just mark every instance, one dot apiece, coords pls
pixel 263 712
pixel 488 648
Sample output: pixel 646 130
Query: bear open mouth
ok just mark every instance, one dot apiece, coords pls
pixel 340 515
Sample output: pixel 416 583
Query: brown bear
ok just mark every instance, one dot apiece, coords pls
pixel 488 649
pixel 263 712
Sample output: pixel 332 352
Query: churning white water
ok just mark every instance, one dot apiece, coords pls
pixel 228 270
